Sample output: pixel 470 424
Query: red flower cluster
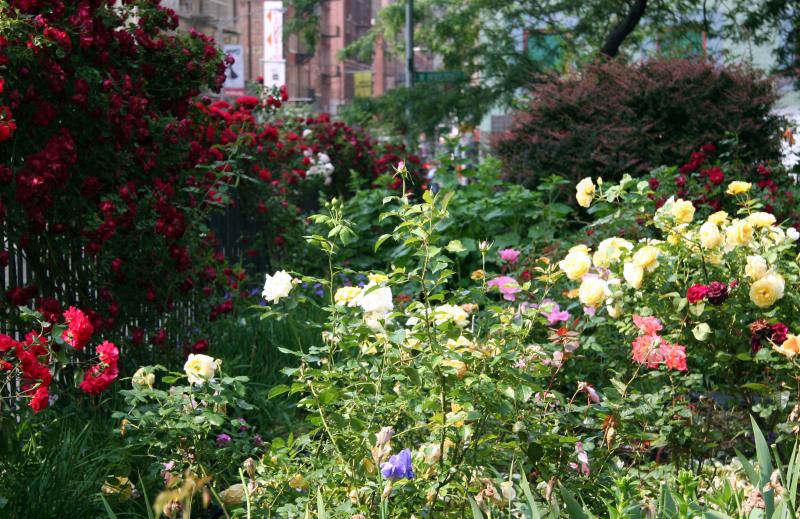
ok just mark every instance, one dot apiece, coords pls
pixel 32 359
pixel 653 350
pixel 715 292
pixel 97 378
pixel 79 328
pixel 761 331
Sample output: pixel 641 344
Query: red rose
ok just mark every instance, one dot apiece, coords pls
pixel 696 293
pixel 715 175
pixel 79 328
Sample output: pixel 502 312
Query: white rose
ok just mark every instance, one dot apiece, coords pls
pixel 200 368
pixel 376 300
pixel 277 286
pixel 792 234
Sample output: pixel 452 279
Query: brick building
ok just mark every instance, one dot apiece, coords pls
pixel 318 77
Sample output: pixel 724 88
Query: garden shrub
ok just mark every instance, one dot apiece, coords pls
pixel 614 118
pixel 111 164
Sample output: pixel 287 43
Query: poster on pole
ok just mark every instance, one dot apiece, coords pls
pixel 274 62
pixel 234 73
pixel 362 83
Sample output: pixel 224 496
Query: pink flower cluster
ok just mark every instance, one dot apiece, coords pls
pixel 653 350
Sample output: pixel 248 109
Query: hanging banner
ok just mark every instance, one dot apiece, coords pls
pixel 362 83
pixel 274 62
pixel 234 73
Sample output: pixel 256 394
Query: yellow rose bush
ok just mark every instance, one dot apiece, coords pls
pixel 712 297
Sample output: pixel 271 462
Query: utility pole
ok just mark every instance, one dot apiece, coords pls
pixel 409 65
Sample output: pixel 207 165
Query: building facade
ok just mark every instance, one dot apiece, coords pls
pixel 317 76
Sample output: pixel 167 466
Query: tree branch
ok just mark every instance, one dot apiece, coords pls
pixel 624 28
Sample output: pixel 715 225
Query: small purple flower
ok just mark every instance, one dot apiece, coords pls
pixel 223 440
pixel 258 440
pixel 243 425
pixel 398 466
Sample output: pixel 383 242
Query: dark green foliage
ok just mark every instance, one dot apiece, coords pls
pixel 616 118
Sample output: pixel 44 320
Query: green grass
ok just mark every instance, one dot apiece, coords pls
pixel 250 348
pixel 54 464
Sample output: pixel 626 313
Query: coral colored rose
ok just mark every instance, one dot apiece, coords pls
pixel 790 347
pixel 696 293
pixel 648 325
pixel 674 356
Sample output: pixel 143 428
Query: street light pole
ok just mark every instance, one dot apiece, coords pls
pixel 409 43
pixel 409 65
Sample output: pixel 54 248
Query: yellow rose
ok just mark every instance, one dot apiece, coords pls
pixel 633 274
pixel 584 192
pixel 756 267
pixel 761 219
pixel 142 378
pixel 571 294
pixel 738 187
pixel 710 237
pixel 718 218
pixel 378 278
pixel 683 211
pixel 646 258
pixel 346 295
pixel 477 275
pixel 610 250
pixel 790 347
pixel 767 290
pixel 575 265
pixel 579 248
pixel 614 311
pixel 739 233
pixel 460 367
pixel 593 292
pixel 715 258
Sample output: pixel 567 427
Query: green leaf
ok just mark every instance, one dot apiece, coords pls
pixel 764 466
pixel 526 489
pixel 109 511
pixel 277 390
pixel 574 508
pixel 476 512
pixel 380 241
pixel 321 513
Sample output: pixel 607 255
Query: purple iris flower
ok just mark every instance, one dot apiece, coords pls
pixel 222 440
pixel 398 466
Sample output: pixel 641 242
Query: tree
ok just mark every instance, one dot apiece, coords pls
pixel 503 46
